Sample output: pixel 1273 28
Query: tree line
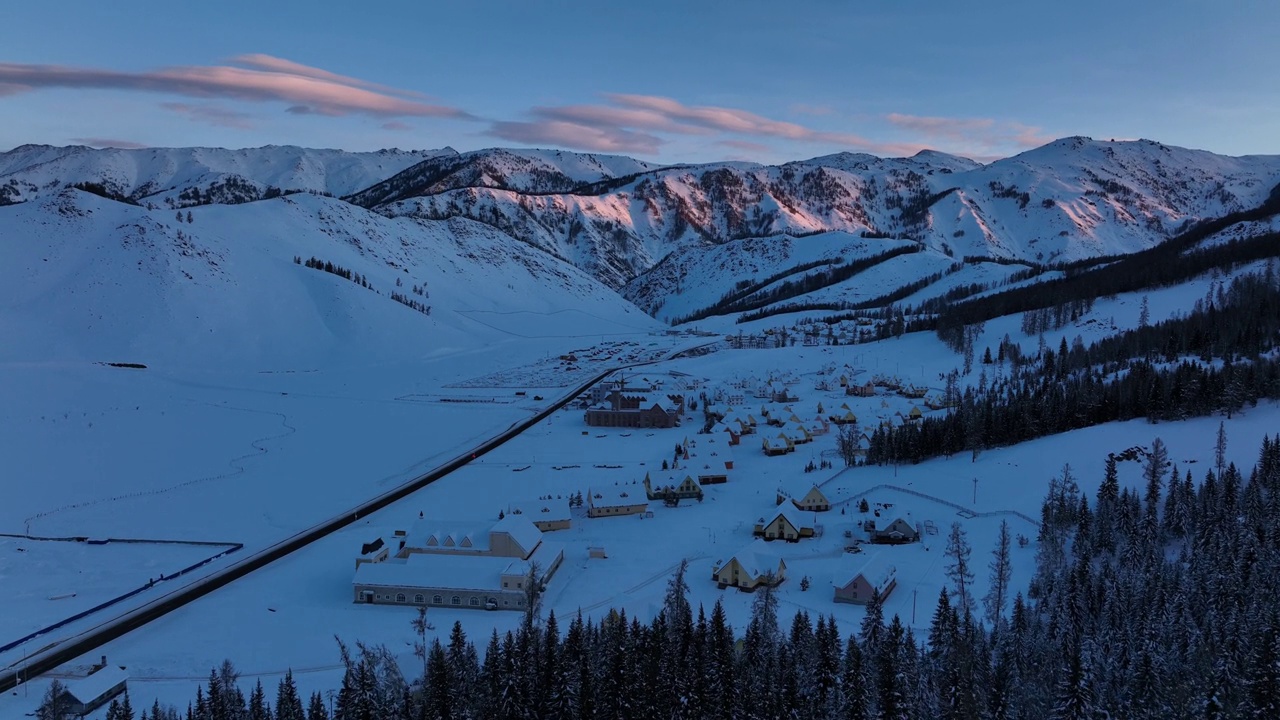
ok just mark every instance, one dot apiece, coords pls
pixel 1144 604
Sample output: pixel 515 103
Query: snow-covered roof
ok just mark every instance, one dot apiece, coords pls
pixel 616 498
pixel 798 518
pixel 90 688
pixel 541 510
pixel 756 559
pixel 426 570
pixel 521 529
pixel 445 534
pixel 876 567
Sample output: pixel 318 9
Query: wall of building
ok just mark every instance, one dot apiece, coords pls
pixel 387 595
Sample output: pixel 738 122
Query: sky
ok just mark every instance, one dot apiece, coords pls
pixel 663 81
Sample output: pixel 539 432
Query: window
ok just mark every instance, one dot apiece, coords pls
pixel 475 602
pixel 437 600
pixel 399 597
pixel 419 599
pixel 455 600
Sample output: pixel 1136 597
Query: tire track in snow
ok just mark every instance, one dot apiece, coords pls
pixel 236 463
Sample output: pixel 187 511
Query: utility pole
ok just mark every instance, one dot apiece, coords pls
pixel 975 491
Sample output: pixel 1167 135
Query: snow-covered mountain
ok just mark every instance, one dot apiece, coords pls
pixel 676 239
pixel 1071 199
pixel 182 177
pixel 90 279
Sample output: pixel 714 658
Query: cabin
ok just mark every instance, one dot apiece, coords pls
pixel 798 433
pixel 672 492
pixel 780 445
pixel 858 576
pixel 734 431
pixel 614 504
pixel 844 415
pixel 786 523
pixel 867 389
pixel 813 501
pixel 84 695
pixel 915 392
pixel 897 532
pixel 749 568
pixel 914 416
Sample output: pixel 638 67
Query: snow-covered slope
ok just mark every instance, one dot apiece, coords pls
pixel 524 171
pixel 181 177
pixel 1071 199
pixel 90 279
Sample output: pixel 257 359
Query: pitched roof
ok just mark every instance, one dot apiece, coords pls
pixel 876 567
pixel 521 529
pixel 798 518
pixel 90 688
pixel 756 559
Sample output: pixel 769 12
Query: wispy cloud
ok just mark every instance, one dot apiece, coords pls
pixel 602 138
pixel 981 137
pixel 396 126
pixel 108 143
pixel 307 89
pixel 632 123
pixel 211 114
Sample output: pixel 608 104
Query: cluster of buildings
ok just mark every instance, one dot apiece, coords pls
pixel 458 564
pixel 794 519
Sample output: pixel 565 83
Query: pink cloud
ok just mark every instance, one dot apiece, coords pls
pixel 396 126
pixel 578 136
pixel 211 114
pixel 259 61
pixel 309 89
pixel 108 143
pixel 627 124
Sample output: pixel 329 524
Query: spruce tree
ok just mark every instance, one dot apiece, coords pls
pixel 288 703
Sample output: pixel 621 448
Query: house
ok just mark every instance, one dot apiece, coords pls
pixel 818 426
pixel 458 564
pixel 734 432
pixel 914 415
pixel 915 392
pixel 798 433
pixel 612 504
pixel 858 575
pixel 672 492
pixel 786 523
pixel 865 390
pixel 547 515
pixel 897 532
pixel 749 568
pixel 844 415
pixel 780 445
pixel 84 695
pixel 813 501
pixel 716 466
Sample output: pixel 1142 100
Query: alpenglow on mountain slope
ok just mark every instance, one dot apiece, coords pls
pixel 675 240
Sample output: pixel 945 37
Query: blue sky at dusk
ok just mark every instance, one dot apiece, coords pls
pixel 663 81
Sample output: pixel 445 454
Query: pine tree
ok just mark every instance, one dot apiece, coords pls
pixel 958 571
pixel 1220 448
pixel 855 695
pixel 891 689
pixel 288 704
pixel 316 709
pixel 258 709
pixel 1001 575
pixel 1153 472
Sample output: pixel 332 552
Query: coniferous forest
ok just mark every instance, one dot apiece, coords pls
pixel 1156 603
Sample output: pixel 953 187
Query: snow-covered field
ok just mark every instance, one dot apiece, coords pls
pixel 286 616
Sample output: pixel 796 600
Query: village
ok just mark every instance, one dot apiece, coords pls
pixel 742 477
